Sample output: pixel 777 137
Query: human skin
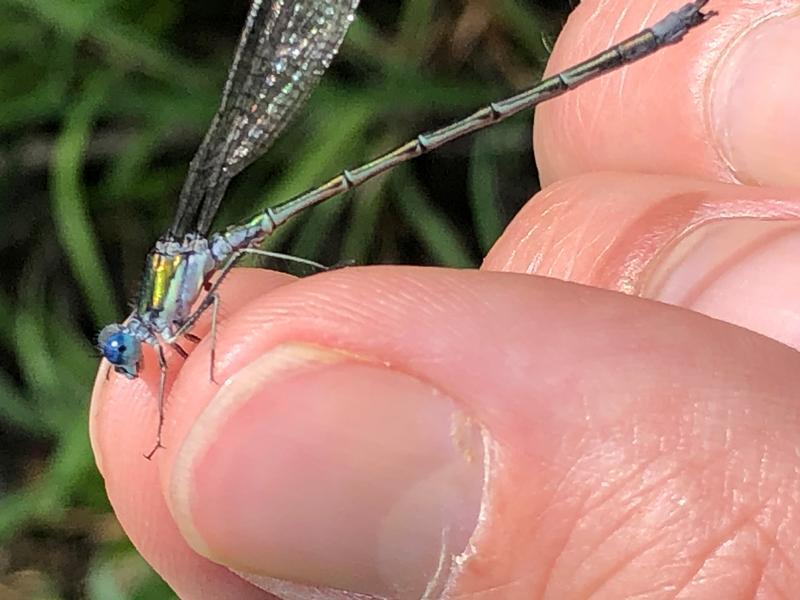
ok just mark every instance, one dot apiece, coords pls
pixel 587 433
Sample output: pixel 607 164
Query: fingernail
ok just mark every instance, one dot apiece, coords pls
pixel 754 103
pixel 741 271
pixel 318 467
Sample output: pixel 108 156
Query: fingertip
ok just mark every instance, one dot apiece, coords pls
pixel 123 421
pixel 706 107
pixel 723 250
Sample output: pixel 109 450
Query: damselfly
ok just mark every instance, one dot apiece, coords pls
pixel 285 47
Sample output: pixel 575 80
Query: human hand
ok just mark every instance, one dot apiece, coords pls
pixel 619 446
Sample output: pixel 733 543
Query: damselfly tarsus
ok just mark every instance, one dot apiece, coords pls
pixel 284 49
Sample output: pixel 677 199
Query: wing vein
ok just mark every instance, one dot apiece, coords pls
pixel 284 49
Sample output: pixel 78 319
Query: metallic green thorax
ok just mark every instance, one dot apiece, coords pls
pixel 174 277
pixel 160 275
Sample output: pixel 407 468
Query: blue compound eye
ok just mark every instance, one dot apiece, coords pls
pixel 120 348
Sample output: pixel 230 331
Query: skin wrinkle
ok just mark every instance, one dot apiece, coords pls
pixel 428 305
pixel 542 226
pixel 631 561
pixel 636 503
pixel 629 515
pixel 788 562
pixel 547 225
pixel 565 538
pixel 632 95
pixel 763 463
pixel 579 235
pixel 676 517
pixel 609 89
pixel 766 489
pixel 617 25
pixel 774 548
pixel 558 491
pixel 549 244
pixel 775 590
pixel 579 113
pixel 605 93
pixel 773 539
pixel 648 77
pixel 641 469
pixel 602 247
pixel 534 230
pixel 703 96
pixel 599 254
pixel 725 535
pixel 648 595
pixel 599 8
pixel 755 571
pixel 505 587
pixel 571 135
pixel 406 290
pixel 766 493
pixel 561 257
pixel 651 233
pixel 606 577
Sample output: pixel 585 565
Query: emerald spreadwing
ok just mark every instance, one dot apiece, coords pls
pixel 284 49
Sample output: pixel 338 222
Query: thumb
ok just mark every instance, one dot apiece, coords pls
pixel 477 431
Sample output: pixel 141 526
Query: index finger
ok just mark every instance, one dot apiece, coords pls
pixel 719 105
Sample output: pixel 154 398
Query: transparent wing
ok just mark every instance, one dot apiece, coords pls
pixel 285 48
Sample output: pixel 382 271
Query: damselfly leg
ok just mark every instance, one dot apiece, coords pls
pixel 162 386
pixel 211 299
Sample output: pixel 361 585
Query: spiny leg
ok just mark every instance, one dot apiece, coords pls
pixel 212 298
pixel 345 262
pixel 213 353
pixel 287 257
pixel 212 288
pixel 212 292
pixel 162 386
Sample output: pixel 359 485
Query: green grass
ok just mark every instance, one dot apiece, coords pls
pixel 102 103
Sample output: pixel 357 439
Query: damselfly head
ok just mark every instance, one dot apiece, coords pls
pixel 121 348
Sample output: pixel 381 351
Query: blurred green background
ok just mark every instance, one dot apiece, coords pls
pixel 102 104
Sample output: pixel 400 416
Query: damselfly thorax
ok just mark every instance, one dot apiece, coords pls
pixel 177 272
